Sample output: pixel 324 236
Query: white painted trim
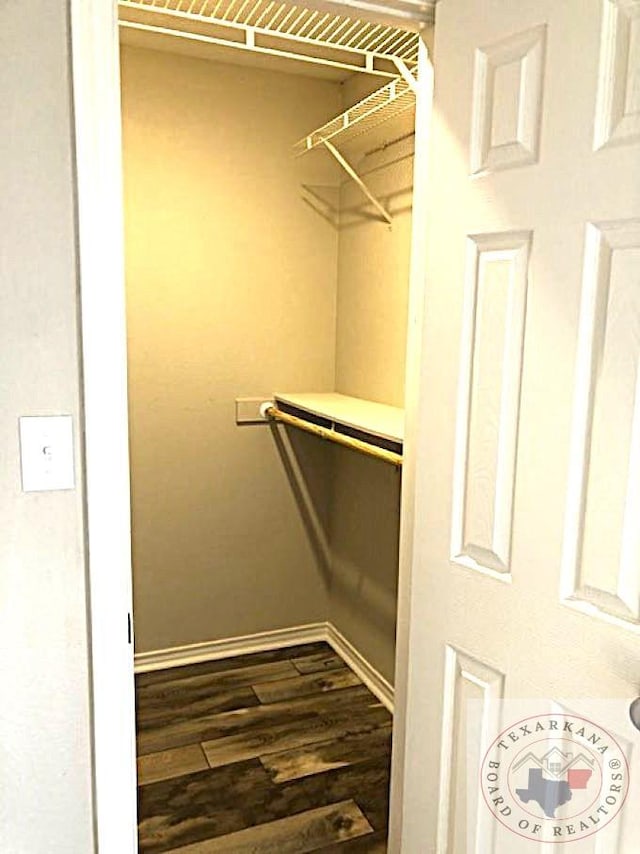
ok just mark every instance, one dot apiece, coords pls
pixel 411 450
pixel 277 639
pixel 226 648
pixel 96 98
pixel 401 12
pixel 374 680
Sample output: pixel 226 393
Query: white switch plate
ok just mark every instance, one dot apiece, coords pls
pixel 248 410
pixel 46 452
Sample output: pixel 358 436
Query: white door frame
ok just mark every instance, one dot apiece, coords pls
pixel 97 118
pixel 417 286
pixel 96 95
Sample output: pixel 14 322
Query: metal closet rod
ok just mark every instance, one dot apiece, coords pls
pixel 276 414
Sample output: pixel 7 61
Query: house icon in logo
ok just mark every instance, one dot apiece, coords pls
pixel 555 764
pixel 555 760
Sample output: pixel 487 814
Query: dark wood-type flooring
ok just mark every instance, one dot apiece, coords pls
pixel 280 752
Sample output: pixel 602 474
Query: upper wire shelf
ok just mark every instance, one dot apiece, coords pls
pixel 276 28
pixel 385 103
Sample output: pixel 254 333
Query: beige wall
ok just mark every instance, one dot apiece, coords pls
pixel 373 288
pixel 45 755
pixel 373 270
pixel 231 283
pixel 364 518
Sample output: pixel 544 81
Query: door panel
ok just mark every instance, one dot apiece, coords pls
pixel 488 403
pixel 507 101
pixel 466 681
pixel 526 577
pixel 618 107
pixel 602 548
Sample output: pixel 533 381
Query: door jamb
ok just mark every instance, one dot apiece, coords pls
pixel 417 285
pixel 98 154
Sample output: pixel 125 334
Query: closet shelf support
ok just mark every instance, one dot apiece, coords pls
pixel 348 168
pixel 406 73
pixel 274 414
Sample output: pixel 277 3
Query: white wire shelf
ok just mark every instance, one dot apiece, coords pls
pixel 281 29
pixel 384 104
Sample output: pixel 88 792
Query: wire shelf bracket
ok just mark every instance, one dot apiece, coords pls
pixel 274 28
pixel 348 168
pixel 406 75
pixel 385 103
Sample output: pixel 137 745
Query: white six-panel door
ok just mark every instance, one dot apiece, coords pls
pixel 526 577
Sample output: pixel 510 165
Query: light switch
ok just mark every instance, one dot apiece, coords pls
pixel 46 452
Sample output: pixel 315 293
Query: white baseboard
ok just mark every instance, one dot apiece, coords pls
pixel 228 647
pixel 371 677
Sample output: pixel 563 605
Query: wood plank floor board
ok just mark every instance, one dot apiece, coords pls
pixel 297 834
pixel 318 663
pixel 150 715
pixel 373 843
pixel 301 686
pixel 339 751
pixel 195 696
pixel 171 763
pixel 206 683
pixel 193 807
pixel 208 804
pixel 367 783
pixel 259 742
pixel 208 727
pixel 169 674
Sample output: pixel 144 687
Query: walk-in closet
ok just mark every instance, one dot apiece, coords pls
pixel 268 158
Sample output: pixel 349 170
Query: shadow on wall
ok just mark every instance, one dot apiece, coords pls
pixel 349 504
pixel 389 174
pixel 400 202
pixel 307 463
pixel 364 537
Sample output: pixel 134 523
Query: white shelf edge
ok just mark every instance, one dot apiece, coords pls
pixel 347 411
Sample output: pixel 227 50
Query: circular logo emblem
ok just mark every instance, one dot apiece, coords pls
pixel 554 778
